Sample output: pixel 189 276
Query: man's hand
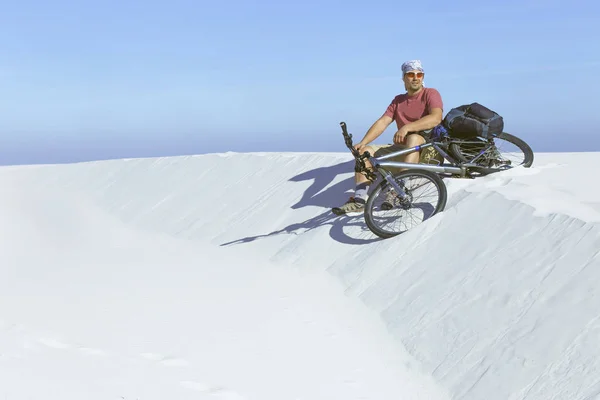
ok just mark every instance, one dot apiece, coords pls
pixel 360 146
pixel 400 136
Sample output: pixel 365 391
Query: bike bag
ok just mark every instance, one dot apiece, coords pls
pixel 473 120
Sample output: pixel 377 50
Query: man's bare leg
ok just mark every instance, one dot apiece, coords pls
pixel 412 141
pixel 362 182
pixel 356 203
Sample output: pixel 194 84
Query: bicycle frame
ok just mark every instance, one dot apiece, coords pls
pixel 453 168
pixel 379 163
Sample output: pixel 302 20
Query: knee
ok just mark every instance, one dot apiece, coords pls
pixel 414 140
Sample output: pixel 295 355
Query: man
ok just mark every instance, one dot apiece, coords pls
pixel 416 112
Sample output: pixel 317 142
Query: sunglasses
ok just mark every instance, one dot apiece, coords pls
pixel 413 74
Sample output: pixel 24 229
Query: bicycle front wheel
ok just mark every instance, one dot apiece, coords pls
pixel 388 215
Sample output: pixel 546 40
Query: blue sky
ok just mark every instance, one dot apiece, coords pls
pixel 86 80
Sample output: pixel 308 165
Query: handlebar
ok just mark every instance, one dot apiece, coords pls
pixel 348 140
pixel 360 159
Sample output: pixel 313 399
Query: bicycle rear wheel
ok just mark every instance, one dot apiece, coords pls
pixel 503 151
pixel 387 215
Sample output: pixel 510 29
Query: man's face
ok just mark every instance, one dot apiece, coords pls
pixel 413 80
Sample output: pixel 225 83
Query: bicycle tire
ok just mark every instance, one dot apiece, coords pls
pixel 369 206
pixel 456 151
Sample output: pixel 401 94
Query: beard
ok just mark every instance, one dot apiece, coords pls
pixel 414 86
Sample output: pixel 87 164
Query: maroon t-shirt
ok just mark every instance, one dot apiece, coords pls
pixel 405 109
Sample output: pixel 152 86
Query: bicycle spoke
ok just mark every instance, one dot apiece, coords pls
pixel 508 152
pixel 425 198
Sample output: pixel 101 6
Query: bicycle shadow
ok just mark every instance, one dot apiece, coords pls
pixel 316 195
pixel 337 231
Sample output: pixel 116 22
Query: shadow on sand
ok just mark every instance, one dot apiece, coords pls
pixel 327 199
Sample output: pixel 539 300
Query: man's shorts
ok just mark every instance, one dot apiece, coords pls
pixel 427 155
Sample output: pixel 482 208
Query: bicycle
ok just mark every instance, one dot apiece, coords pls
pixel 466 158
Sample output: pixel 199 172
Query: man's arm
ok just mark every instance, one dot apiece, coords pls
pixel 377 129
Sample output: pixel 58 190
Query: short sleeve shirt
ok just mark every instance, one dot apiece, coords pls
pixel 405 109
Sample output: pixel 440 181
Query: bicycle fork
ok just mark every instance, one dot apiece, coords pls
pixel 392 182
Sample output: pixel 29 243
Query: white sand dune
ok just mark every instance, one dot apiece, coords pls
pixel 226 276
